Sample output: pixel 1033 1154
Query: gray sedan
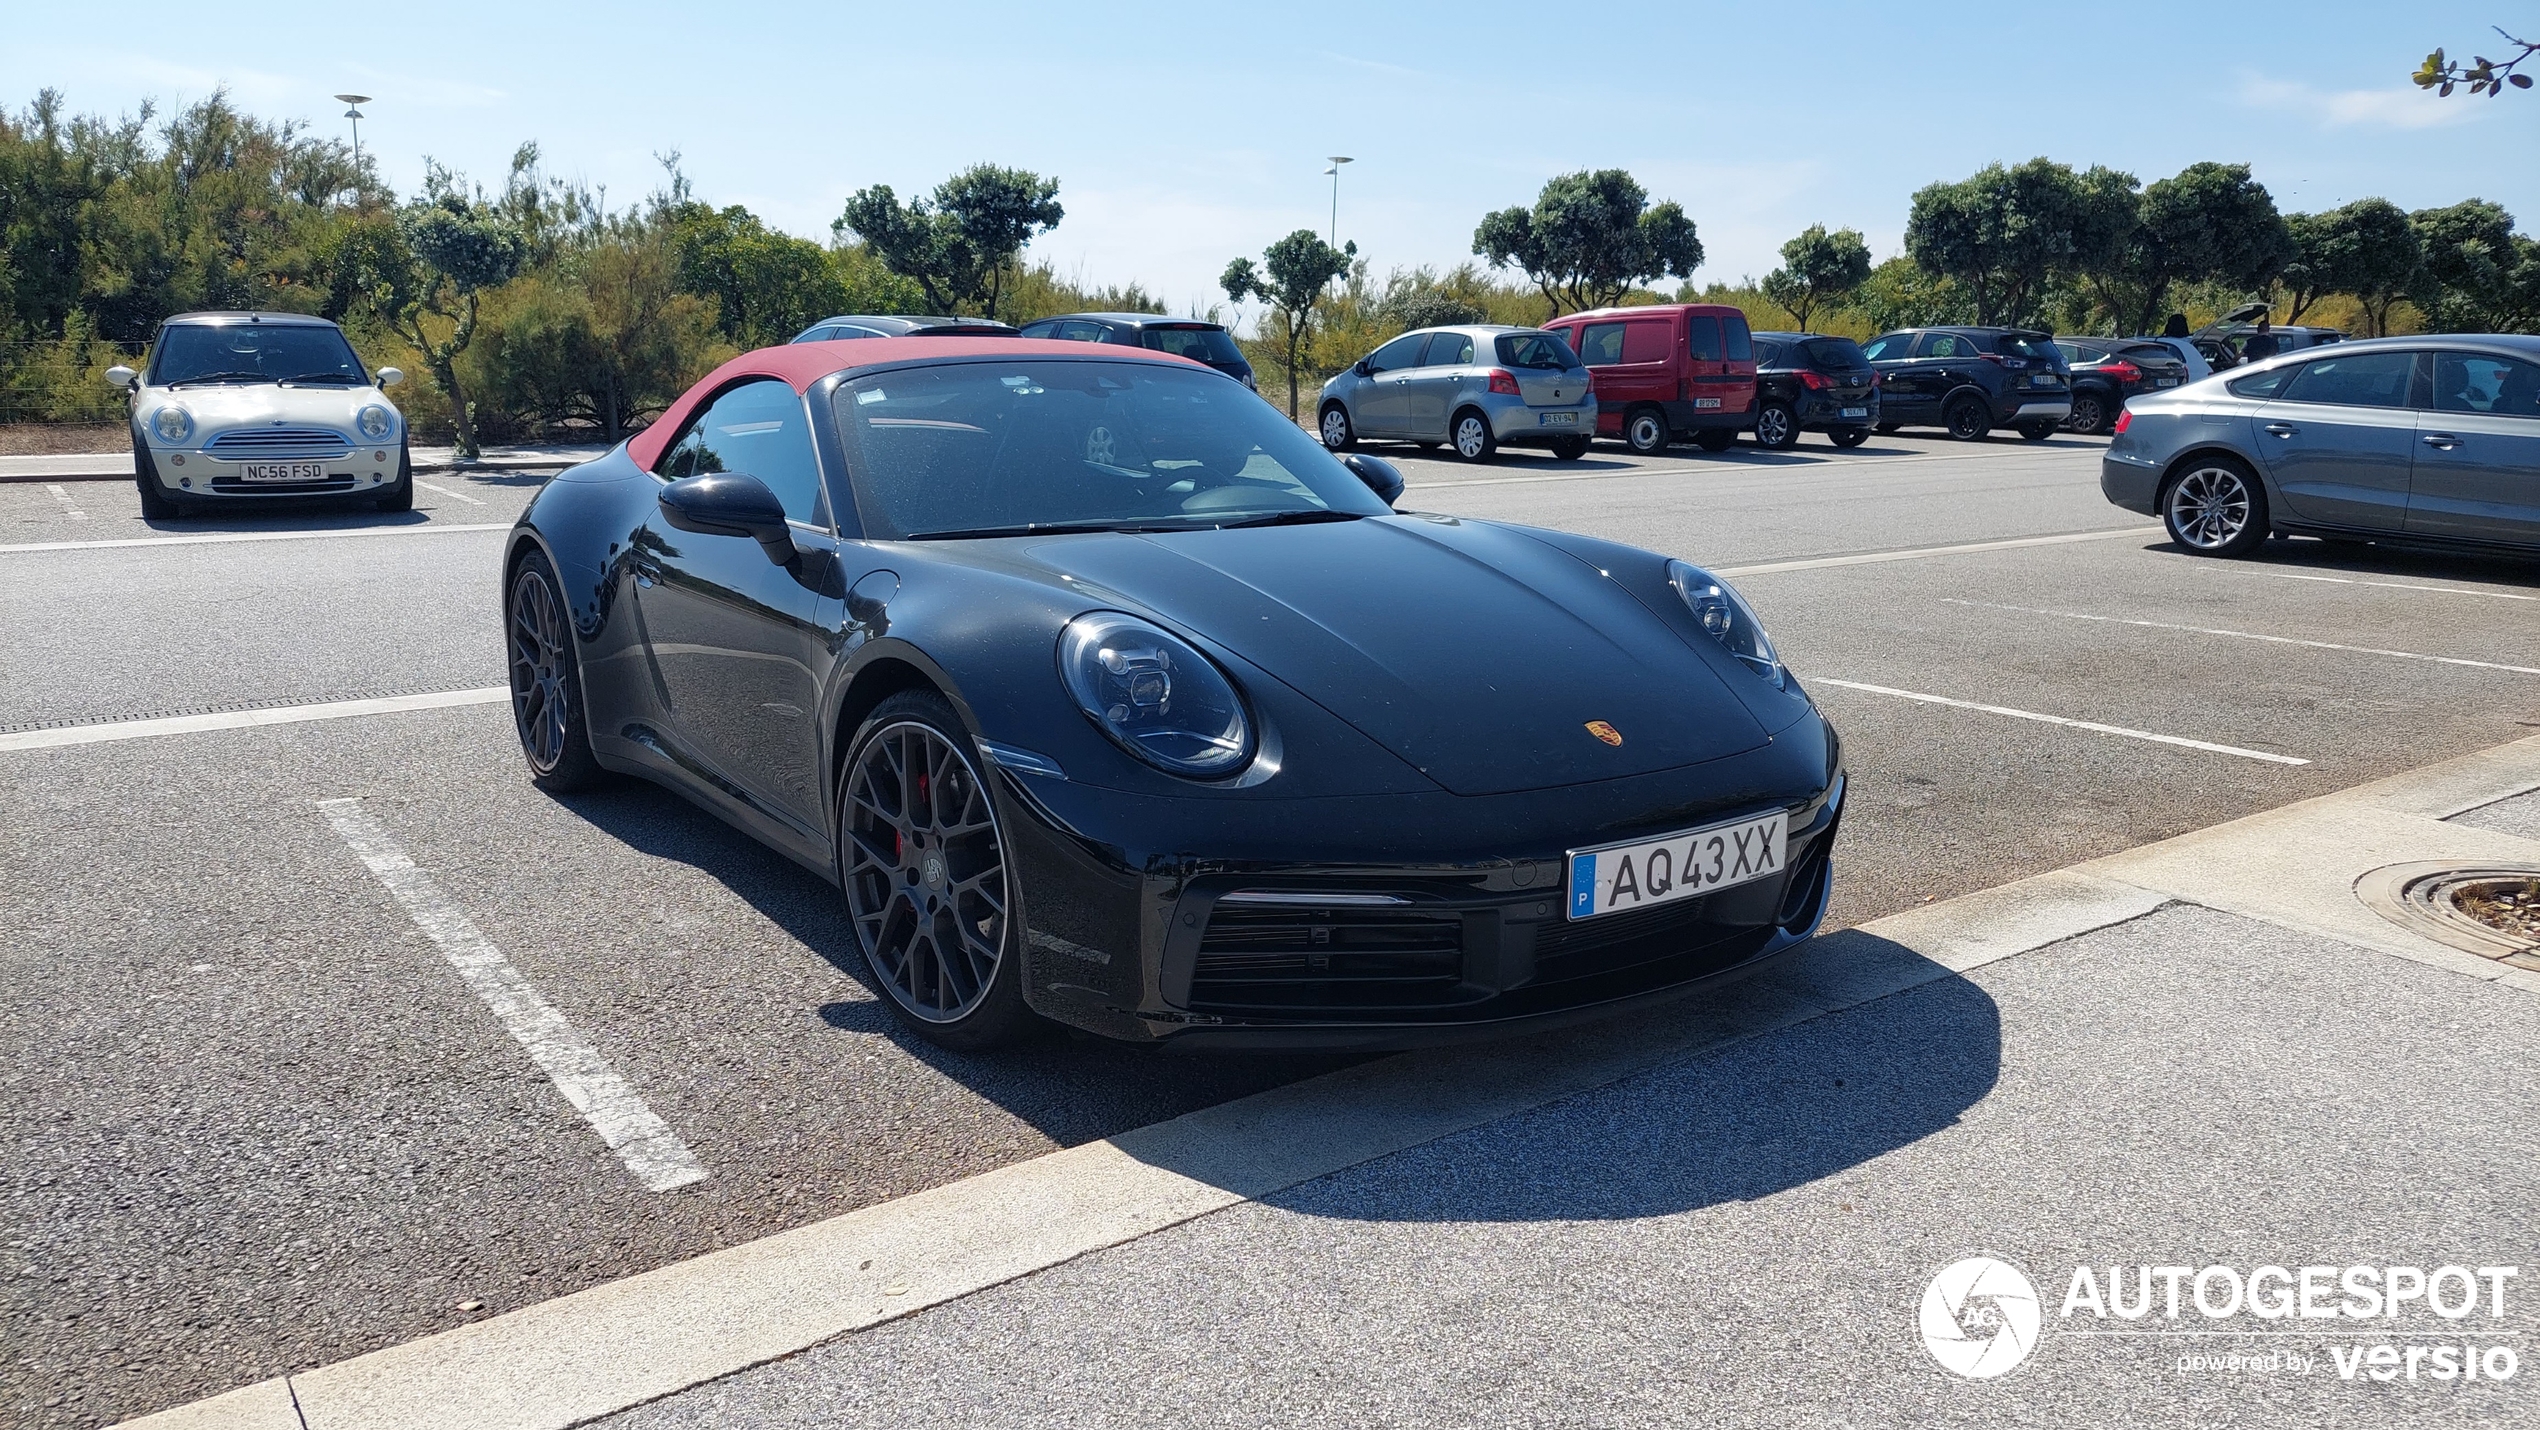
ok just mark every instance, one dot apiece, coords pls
pixel 1475 388
pixel 2433 439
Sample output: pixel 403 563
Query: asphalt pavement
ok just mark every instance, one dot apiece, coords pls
pixel 261 1125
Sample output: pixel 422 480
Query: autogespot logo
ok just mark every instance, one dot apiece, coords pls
pixel 1980 1317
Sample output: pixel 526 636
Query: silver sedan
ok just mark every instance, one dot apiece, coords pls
pixel 2424 439
pixel 1476 389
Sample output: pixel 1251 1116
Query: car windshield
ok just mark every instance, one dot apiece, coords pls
pixel 1539 350
pixel 1834 354
pixel 1010 448
pixel 1199 344
pixel 254 352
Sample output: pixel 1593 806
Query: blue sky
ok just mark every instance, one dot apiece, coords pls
pixel 1184 134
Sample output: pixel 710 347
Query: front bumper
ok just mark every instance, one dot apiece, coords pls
pixel 196 474
pixel 1397 920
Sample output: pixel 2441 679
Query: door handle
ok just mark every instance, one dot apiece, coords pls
pixel 2441 441
pixel 2281 429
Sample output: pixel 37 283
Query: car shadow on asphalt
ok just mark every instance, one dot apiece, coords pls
pixel 1072 1087
pixel 286 516
pixel 2360 560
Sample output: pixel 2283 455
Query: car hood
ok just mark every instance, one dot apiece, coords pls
pixel 225 407
pixel 1474 651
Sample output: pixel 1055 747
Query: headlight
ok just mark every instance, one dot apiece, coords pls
pixel 1152 693
pixel 173 424
pixel 375 423
pixel 1721 611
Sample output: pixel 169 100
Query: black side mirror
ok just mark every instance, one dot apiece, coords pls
pixel 1363 368
pixel 1381 476
pixel 731 504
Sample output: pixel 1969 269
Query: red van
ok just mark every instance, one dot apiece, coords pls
pixel 1667 372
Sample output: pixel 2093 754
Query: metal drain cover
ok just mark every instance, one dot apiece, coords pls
pixel 2419 897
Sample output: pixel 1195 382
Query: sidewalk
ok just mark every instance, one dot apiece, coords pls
pixel 2208 1051
pixel 117 466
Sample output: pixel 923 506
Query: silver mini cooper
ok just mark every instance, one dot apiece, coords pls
pixel 1476 389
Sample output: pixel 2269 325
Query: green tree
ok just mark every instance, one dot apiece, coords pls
pixel 2002 234
pixel 1901 293
pixel 1589 238
pixel 2441 74
pixel 1819 269
pixel 2208 223
pixel 2469 254
pixel 426 276
pixel 1291 279
pixel 767 285
pixel 958 244
pixel 2366 248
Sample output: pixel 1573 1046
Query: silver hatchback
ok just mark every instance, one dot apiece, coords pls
pixel 2433 439
pixel 1476 389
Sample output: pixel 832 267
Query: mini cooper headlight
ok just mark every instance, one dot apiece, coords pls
pixel 1155 696
pixel 1722 612
pixel 172 423
pixel 375 422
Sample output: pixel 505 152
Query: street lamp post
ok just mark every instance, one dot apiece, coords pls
pixel 356 101
pixel 1335 172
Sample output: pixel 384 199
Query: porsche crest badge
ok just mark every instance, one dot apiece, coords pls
pixel 1605 732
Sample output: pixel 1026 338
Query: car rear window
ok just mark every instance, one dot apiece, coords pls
pixel 1741 347
pixel 1540 350
pixel 1702 337
pixel 2026 345
pixel 1199 342
pixel 1834 354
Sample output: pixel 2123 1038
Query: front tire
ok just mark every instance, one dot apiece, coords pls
pixel 1966 420
pixel 546 680
pixel 2217 507
pixel 1776 427
pixel 1469 433
pixel 155 502
pixel 921 857
pixel 1645 431
pixel 1334 427
pixel 400 497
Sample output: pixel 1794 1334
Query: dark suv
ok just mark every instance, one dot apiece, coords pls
pixel 1969 381
pixel 1191 338
pixel 1808 382
pixel 2107 371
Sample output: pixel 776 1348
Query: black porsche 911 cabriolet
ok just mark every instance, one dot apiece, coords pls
pixel 1106 695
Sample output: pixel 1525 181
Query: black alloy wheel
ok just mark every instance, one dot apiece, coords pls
pixel 2090 414
pixel 2216 508
pixel 922 859
pixel 156 505
pixel 1471 437
pixel 1850 436
pixel 1335 429
pixel 546 682
pixel 1776 427
pixel 1645 431
pixel 1569 449
pixel 1966 420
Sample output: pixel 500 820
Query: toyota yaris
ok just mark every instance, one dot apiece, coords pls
pixel 1105 695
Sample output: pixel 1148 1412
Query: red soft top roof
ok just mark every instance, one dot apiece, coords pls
pixel 802 364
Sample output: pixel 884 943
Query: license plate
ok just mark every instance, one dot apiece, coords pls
pixel 1856 412
pixel 1560 419
pixel 1706 402
pixel 282 471
pixel 2165 382
pixel 1622 877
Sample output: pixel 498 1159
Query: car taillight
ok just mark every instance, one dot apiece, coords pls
pixel 1504 381
pixel 2123 371
pixel 2124 420
pixel 1811 381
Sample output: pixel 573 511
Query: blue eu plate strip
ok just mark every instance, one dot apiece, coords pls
pixel 1582 885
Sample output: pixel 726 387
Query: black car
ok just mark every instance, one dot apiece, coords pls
pixel 1808 382
pixel 2106 371
pixel 1969 381
pixel 1106 695
pixel 1192 338
pixel 899 325
pixel 2225 341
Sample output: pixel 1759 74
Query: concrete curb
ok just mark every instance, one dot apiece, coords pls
pixel 566 1361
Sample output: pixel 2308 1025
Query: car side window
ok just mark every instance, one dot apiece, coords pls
pixel 2362 380
pixel 1888 346
pixel 819 335
pixel 1449 350
pixel 2474 382
pixel 1702 337
pixel 2262 384
pixel 1402 352
pixel 1645 340
pixel 1084 333
pixel 1040 330
pixel 1945 345
pixel 1768 354
pixel 1601 344
pixel 758 428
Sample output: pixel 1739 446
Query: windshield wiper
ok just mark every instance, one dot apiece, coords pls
pixel 1293 518
pixel 1044 528
pixel 219 377
pixel 320 377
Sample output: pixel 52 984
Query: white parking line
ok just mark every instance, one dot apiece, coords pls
pixel 241 719
pixel 615 1110
pixel 210 538
pixel 1917 553
pixel 2389 585
pixel 65 498
pixel 2251 636
pixel 445 491
pixel 2091 725
pixel 1722 463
